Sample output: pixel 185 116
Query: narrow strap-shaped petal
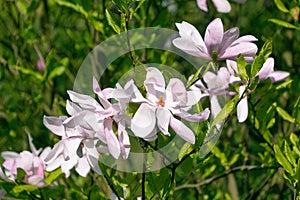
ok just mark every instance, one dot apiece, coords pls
pixel 214 35
pixel 242 107
pixel 111 139
pixel 223 6
pixel 163 120
pixel 202 5
pixel 182 130
pixel 55 124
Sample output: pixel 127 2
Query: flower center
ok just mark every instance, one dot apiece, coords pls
pixel 160 102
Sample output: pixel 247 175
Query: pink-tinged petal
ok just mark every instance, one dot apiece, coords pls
pixel 55 152
pixel 111 139
pixel 32 147
pixel 92 155
pixel 198 117
pixel 215 106
pixel 55 163
pixel 242 107
pixel 245 38
pixel 152 136
pixel 246 49
pixel 144 121
pixel 40 170
pixel 194 97
pixel 45 153
pixel 202 5
pixel 9 155
pixel 105 103
pixel 123 140
pixel 177 91
pixel 134 92
pixel 182 130
pixel 232 67
pixel 154 83
pixel 55 124
pixel 190 41
pixel 82 167
pixel 188 31
pixel 163 120
pixel 4 177
pixel 67 165
pixel 278 76
pixel 214 35
pixel 267 69
pixel 72 108
pixel 228 38
pixel 36 180
pixel 222 6
pixel 85 101
pixel 10 165
pixel 189 47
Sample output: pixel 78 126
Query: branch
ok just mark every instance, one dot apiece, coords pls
pixel 233 170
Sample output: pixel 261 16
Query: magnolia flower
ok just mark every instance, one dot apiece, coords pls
pixel 217 44
pixel 267 71
pixel 222 6
pixel 31 162
pixel 216 84
pixel 156 112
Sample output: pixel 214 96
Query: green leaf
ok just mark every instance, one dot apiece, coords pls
pixel 226 111
pixel 30 72
pixel 112 21
pixel 283 23
pixel 184 150
pixel 296 112
pixel 122 5
pixel 259 60
pixel 297 172
pixel 53 176
pixel 199 74
pixel 241 65
pixel 72 6
pixel 257 65
pixel 286 116
pixel 294 139
pixel 289 154
pixel 28 188
pixel 281 6
pixel 282 160
pixel 20 174
pixel 57 71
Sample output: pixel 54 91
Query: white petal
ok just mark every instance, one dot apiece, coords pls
pixel 242 107
pixel 182 130
pixel 163 120
pixel 223 6
pixel 144 121
pixel 55 124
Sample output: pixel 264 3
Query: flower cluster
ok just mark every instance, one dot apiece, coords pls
pixel 32 163
pixel 89 130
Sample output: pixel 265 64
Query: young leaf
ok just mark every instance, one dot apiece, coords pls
pixel 241 64
pixel 112 21
pixel 296 113
pixel 286 116
pixel 289 154
pixel 226 111
pixel 20 188
pixel 283 23
pixel 257 65
pixel 282 160
pixel 281 6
